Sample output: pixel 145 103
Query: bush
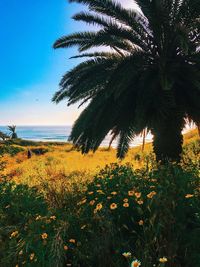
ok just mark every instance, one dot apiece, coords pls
pixel 39 150
pixel 152 216
pixel 11 150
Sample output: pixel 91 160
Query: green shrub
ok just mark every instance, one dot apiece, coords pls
pixel 39 150
pixel 151 214
pixel 11 150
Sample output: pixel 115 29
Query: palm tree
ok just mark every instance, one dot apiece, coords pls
pixel 13 133
pixel 148 78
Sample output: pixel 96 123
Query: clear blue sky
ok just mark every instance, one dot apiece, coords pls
pixel 30 69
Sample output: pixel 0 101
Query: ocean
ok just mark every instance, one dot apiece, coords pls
pixel 58 134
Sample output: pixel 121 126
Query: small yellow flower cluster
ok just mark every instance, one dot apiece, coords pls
pixel 127 254
pixel 44 236
pixel 140 202
pixel 14 234
pixel 113 206
pixel 65 247
pixel 53 217
pixel 131 193
pixel 92 202
pixel 151 194
pixel 141 222
pixel 189 196
pixel 138 195
pixel 163 260
pixel 21 252
pixel 100 192
pixel 32 255
pixel 83 201
pixel 98 207
pixel 38 218
pixel 135 263
pixel 114 193
pixel 126 205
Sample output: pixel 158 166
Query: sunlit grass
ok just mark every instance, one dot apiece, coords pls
pixel 64 165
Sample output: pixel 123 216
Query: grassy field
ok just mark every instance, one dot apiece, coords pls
pixel 61 161
pixel 61 208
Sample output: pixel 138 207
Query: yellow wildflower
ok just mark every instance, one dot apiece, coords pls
pixel 141 222
pixel 83 201
pixel 38 218
pixel 163 260
pixel 65 247
pixel 21 252
pixel 189 196
pixel 90 193
pixel 44 236
pixel 125 205
pixel 131 193
pixel 114 193
pixel 14 234
pixel 125 200
pixel 135 263
pixel 99 206
pixel 127 254
pixel 140 202
pixel 113 206
pixel 151 194
pixel 53 217
pixel 32 256
pixel 138 195
pixel 92 202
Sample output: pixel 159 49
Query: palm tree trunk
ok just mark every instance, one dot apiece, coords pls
pixel 168 138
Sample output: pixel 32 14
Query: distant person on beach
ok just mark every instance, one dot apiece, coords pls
pixel 29 154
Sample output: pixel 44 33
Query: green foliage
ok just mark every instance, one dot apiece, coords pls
pixel 9 149
pixel 162 218
pixel 39 150
pixel 3 136
pixel 19 205
pixel 152 213
pixel 149 79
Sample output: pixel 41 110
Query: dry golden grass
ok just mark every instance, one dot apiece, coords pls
pixel 64 166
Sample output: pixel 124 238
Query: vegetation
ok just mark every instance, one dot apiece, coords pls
pixel 83 216
pixel 149 78
pixel 3 136
pixel 13 133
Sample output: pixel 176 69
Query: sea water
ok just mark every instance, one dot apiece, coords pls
pixel 59 134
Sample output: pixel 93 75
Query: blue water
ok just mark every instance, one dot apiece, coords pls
pixel 56 133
